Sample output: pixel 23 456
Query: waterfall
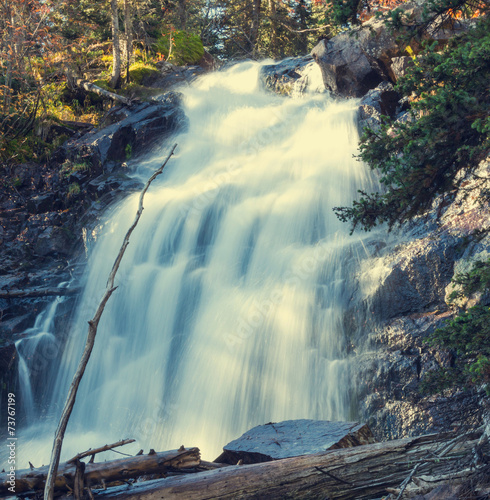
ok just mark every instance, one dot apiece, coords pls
pixel 230 300
pixel 35 350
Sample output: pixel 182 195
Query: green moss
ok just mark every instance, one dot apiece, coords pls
pixel 73 190
pixel 140 71
pixel 103 84
pixel 186 48
pixel 68 167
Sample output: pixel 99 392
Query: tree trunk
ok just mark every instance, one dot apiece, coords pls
pixel 362 472
pixel 116 49
pixel 182 9
pixel 303 26
pixel 128 29
pixel 98 474
pixel 273 16
pixel 254 26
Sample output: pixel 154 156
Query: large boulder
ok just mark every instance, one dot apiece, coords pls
pixel 357 60
pixel 293 438
pixel 345 68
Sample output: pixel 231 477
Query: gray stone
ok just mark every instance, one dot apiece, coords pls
pixel 400 65
pixel 286 75
pixel 346 70
pixel 41 203
pixel 171 75
pixel 293 438
pixel 53 240
pixel 378 102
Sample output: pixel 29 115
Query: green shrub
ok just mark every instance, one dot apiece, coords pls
pixel 73 189
pixel 68 167
pixel 467 337
pixel 186 47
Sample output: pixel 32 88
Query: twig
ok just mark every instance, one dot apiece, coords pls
pixel 92 331
pixel 405 483
pixel 107 447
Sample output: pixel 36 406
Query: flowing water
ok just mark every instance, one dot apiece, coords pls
pixel 229 311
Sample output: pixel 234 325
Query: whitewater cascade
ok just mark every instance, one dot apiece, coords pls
pixel 230 300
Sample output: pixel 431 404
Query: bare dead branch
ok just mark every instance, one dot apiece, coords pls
pixel 92 331
pixel 107 447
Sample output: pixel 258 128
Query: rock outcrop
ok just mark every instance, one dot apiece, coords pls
pixel 44 220
pixel 133 132
pixel 378 102
pixel 291 76
pixel 354 62
pixel 408 303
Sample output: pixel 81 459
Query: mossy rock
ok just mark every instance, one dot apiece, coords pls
pixel 141 73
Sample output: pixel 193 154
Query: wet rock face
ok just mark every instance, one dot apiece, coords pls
pixel 41 220
pixel 287 76
pixel 408 302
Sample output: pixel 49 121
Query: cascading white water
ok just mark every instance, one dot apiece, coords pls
pixel 229 311
pixel 34 352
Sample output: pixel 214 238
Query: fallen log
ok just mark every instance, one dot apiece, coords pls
pixel 362 472
pixel 38 292
pixel 103 473
pixel 90 87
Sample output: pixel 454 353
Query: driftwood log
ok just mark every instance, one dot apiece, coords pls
pixel 103 473
pixel 362 472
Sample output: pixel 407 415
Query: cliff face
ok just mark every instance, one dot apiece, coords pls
pixel 409 284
